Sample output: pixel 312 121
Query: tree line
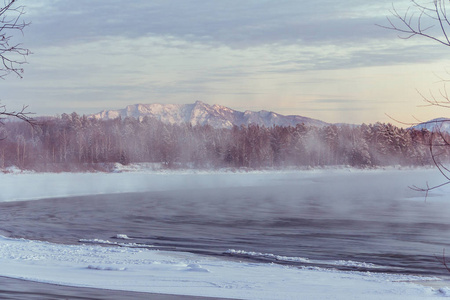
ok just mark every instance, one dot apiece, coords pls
pixel 74 143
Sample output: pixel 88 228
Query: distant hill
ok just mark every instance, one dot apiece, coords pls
pixel 200 113
pixel 439 124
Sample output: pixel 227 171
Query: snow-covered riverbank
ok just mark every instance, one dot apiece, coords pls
pixel 146 270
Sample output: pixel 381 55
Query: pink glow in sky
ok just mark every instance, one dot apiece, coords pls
pixel 320 59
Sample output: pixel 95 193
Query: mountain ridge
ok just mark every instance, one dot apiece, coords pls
pixel 434 125
pixel 200 113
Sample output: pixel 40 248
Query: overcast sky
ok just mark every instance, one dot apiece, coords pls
pixel 322 59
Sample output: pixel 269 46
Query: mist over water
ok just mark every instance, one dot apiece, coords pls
pixel 352 221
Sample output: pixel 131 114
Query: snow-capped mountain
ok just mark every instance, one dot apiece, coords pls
pixel 200 113
pixel 439 124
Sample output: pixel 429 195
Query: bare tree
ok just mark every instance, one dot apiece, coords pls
pixel 437 140
pixel 429 20
pixel 20 114
pixel 12 54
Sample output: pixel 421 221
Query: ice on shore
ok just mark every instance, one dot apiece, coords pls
pixel 122 236
pixel 182 273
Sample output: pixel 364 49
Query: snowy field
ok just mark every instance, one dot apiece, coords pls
pixel 148 270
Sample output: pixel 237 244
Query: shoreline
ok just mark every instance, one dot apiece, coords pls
pixel 156 168
pixel 91 272
pixel 13 288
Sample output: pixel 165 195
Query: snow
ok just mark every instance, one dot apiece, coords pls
pixel 188 274
pixel 439 124
pixel 445 291
pixel 132 179
pixel 347 263
pixel 122 236
pixel 200 113
pixel 121 265
pixel 106 242
pixel 18 186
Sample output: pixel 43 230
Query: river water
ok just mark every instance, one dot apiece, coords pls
pixel 364 221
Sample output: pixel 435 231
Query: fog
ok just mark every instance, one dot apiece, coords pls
pixel 344 184
pixel 349 219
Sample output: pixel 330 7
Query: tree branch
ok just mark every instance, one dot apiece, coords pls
pixel 412 22
pixel 12 56
pixel 22 115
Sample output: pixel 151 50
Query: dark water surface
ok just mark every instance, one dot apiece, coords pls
pixel 338 223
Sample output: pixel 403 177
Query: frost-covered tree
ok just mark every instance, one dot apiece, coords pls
pixel 74 142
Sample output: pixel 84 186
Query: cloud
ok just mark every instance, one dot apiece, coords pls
pixel 259 53
pixel 229 22
pixel 338 101
pixel 325 34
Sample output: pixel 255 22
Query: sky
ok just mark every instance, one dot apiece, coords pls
pixel 321 59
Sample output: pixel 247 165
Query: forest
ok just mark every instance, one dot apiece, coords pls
pixel 72 142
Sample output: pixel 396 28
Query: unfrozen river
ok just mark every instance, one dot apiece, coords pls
pixel 359 220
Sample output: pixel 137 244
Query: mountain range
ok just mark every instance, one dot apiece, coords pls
pixel 200 113
pixel 218 116
pixel 439 125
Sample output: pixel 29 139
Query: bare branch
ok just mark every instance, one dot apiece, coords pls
pixel 22 115
pixel 415 19
pixel 443 260
pixel 431 21
pixel 438 140
pixel 12 56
